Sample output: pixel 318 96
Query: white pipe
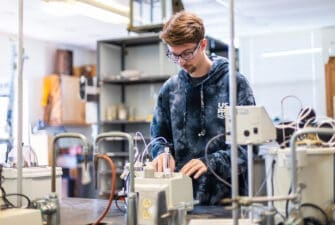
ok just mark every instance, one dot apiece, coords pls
pixel 232 100
pixel 18 101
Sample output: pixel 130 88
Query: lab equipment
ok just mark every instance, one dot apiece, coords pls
pixel 18 216
pixel 8 213
pixel 296 162
pixel 253 126
pixel 32 177
pixel 50 208
pixel 131 196
pixel 315 168
pixel 160 193
pixel 166 162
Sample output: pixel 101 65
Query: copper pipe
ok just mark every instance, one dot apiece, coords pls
pixel 111 195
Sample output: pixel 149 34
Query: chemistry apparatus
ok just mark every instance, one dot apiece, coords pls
pixel 153 197
pixel 295 215
pixel 131 195
pixel 50 207
pixel 160 200
pixel 254 127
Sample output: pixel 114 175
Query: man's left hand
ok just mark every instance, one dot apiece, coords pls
pixel 196 167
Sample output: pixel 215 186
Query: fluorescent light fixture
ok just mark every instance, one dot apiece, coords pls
pixel 224 3
pixel 102 10
pixel 291 52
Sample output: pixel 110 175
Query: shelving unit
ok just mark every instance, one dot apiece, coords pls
pixel 144 55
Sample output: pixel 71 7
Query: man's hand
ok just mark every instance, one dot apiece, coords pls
pixel 158 163
pixel 195 166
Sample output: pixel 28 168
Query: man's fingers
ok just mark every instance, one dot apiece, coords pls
pixel 195 166
pixel 201 171
pixel 160 164
pixel 193 169
pixel 155 164
pixel 172 164
pixel 187 167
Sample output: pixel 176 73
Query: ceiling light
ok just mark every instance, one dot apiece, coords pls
pixel 102 10
pixel 291 52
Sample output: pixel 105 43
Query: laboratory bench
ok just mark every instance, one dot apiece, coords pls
pixel 83 211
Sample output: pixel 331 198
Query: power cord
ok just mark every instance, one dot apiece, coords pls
pixel 117 205
pixel 312 219
pixel 207 160
pixel 7 203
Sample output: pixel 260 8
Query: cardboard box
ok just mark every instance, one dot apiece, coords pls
pixel 61 98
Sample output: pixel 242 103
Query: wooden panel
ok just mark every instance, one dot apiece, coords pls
pixel 330 86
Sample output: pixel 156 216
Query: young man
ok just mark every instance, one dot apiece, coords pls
pixel 189 110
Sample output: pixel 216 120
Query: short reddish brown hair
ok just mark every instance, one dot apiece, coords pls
pixel 183 27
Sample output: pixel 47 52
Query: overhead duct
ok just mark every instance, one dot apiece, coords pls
pixel 151 14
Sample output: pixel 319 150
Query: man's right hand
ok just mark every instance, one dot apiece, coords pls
pixel 158 163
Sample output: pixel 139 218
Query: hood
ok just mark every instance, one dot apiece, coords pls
pixel 219 68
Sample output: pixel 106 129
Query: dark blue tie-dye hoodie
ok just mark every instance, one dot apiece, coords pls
pixel 188 115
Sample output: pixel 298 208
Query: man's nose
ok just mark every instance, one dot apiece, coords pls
pixel 181 61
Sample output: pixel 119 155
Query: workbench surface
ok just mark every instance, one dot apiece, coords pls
pixel 83 211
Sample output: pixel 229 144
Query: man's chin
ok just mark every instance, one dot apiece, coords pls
pixel 189 69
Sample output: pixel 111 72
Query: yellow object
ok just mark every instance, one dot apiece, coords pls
pixel 50 84
pixel 149 117
pixel 61 100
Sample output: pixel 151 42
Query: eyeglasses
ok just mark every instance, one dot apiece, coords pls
pixel 186 55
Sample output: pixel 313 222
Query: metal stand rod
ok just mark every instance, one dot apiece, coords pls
pixel 260 199
pixel 232 102
pixel 18 94
pixel 250 177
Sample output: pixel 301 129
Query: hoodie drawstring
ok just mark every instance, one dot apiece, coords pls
pixel 185 114
pixel 202 113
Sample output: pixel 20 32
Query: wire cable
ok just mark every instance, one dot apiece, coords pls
pixel 137 153
pixel 311 205
pixel 145 151
pixel 119 208
pixel 8 203
pixel 111 195
pixel 207 160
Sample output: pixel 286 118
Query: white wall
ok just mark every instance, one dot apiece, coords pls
pixel 284 64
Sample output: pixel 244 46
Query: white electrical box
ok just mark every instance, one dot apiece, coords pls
pixel 177 189
pixel 253 125
pixel 20 216
pixel 171 185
